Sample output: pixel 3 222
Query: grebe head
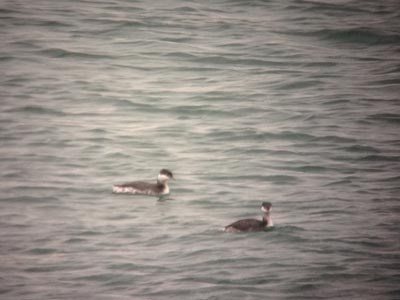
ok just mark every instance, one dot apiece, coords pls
pixel 266 207
pixel 164 176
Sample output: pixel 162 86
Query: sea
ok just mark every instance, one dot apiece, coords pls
pixel 294 102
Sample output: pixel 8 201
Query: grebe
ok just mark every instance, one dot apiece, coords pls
pixel 146 188
pixel 253 224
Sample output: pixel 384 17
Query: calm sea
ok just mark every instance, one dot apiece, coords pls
pixel 295 102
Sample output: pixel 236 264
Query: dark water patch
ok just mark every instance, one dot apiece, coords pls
pixel 5 291
pixel 385 83
pixel 321 7
pixel 75 241
pixel 182 55
pixel 281 179
pixel 334 139
pixel 300 84
pixel 367 244
pixel 199 253
pixel 7 11
pixel 16 82
pixel 293 136
pixel 18 226
pixel 178 40
pixel 330 212
pixel 393 178
pixel 310 169
pixel 225 61
pixel 28 199
pixel 322 64
pixel 37 110
pixel 289 233
pixel 98 130
pixel 204 80
pixel 44 269
pixel 360 35
pixel 180 190
pixel 306 290
pixel 120 217
pixel 200 110
pixel 54 208
pixel 237 262
pixel 210 203
pixel 138 106
pixel 393 292
pixel 360 149
pixel 101 278
pixel 41 22
pixel 117 23
pixel 278 179
pixel 53 23
pixel 338 102
pixel 333 269
pixel 12 174
pixel 246 135
pixel 7 58
pixel 379 158
pixel 347 181
pixel 141 268
pixel 243 283
pixel 189 9
pixel 122 280
pixel 284 153
pixel 117 155
pixel 42 251
pixel 288 229
pixel 95 141
pixel 89 233
pixel 390 266
pixel 61 53
pixel 386 117
pixel 126 267
pixel 152 242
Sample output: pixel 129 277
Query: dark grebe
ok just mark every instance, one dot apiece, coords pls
pixel 145 188
pixel 253 224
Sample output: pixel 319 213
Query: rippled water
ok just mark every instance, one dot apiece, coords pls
pixel 292 102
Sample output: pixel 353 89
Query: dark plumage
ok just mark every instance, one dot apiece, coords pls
pixel 246 225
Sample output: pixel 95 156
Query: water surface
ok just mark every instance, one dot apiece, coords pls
pixel 292 102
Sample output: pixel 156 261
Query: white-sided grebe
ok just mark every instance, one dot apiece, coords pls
pixel 246 225
pixel 159 188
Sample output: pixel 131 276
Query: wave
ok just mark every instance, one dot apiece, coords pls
pixel 360 149
pixel 29 199
pixel 282 179
pixel 299 84
pixel 42 251
pixel 254 135
pixel 36 109
pixel 359 36
pixel 363 36
pixel 62 53
pixel 380 158
pixel 386 117
pixel 310 169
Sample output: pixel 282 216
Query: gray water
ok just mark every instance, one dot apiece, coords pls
pixel 293 102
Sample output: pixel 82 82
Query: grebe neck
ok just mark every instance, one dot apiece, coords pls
pixel 268 220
